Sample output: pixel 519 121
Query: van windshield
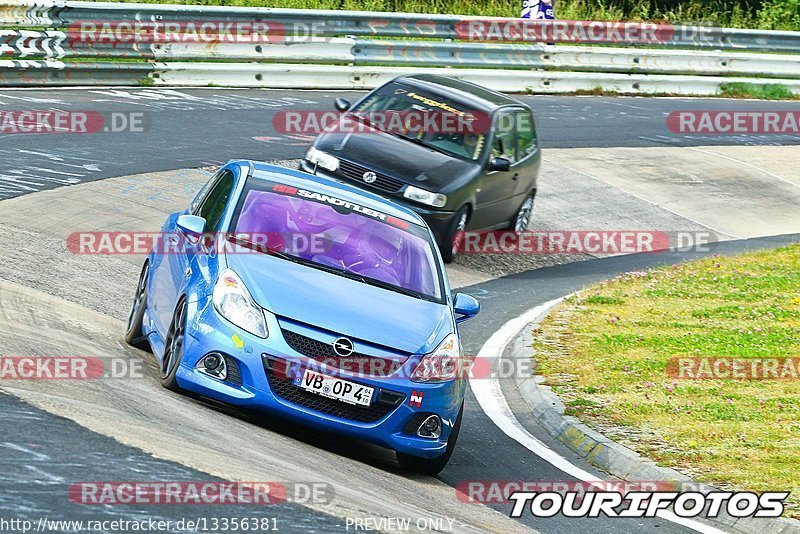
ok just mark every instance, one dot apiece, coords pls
pixel 433 121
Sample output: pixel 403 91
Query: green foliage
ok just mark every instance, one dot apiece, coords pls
pixel 772 14
pixel 780 15
pixel 769 91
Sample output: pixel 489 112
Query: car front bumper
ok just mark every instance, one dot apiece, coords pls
pixel 208 332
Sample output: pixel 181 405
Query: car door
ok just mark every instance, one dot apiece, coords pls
pixel 497 187
pixel 195 251
pixel 528 153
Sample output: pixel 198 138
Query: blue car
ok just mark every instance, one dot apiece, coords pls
pixel 287 292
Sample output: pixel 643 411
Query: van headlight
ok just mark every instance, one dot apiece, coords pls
pixel 437 200
pixel 232 301
pixel 323 159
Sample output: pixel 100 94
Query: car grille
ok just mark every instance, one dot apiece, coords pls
pixel 323 352
pixel 384 401
pixel 355 172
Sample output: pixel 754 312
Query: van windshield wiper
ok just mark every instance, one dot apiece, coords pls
pixel 421 143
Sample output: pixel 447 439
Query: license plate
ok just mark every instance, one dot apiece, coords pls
pixel 336 388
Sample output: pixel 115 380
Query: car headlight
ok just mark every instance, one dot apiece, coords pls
pixel 437 200
pixel 323 159
pixel 234 303
pixel 442 364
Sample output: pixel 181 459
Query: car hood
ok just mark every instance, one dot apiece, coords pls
pixel 340 305
pixel 398 158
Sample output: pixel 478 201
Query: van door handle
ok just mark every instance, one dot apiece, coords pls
pixel 516 175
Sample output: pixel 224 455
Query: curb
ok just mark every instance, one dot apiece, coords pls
pixel 607 455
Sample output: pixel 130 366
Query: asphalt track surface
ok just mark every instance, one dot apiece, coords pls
pixel 214 125
pixel 199 127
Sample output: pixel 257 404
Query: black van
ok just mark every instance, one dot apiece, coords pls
pixel 482 178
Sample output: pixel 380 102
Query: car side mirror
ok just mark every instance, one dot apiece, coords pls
pixel 499 164
pixel 341 104
pixel 191 225
pixel 466 307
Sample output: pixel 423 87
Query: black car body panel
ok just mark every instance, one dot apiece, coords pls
pixel 492 198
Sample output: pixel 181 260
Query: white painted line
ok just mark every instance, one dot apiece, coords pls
pixel 493 402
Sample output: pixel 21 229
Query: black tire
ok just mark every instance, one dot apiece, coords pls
pixel 522 218
pixel 173 347
pixel 432 466
pixel 134 335
pixel 451 240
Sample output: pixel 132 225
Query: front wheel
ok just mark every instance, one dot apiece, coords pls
pixel 432 466
pixel 134 335
pixel 454 235
pixel 173 348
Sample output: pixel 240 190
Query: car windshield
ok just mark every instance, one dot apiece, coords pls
pixel 426 119
pixel 336 235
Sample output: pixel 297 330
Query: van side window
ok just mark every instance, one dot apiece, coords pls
pixel 504 144
pixel 526 134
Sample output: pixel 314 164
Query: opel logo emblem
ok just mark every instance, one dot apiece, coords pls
pixel 370 177
pixel 343 347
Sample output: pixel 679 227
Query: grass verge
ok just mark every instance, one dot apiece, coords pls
pixel 607 354
pixel 769 91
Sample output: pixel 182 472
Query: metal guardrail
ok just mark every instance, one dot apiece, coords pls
pixel 56 14
pixel 318 49
pixel 26 44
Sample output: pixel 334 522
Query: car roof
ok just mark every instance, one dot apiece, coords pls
pixel 467 93
pixel 327 186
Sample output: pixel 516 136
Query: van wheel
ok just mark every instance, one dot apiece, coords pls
pixel 520 221
pixel 453 238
